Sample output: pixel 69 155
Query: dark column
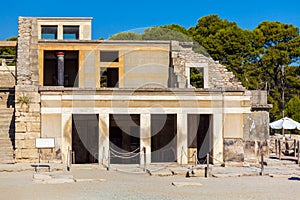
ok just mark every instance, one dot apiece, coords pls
pixel 60 68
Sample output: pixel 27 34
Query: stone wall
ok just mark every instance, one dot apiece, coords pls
pixel 218 75
pixel 7 75
pixel 27 97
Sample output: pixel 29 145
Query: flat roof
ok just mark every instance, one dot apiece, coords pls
pixel 64 18
pixel 123 42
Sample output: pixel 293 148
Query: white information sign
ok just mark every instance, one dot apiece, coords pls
pixel 44 143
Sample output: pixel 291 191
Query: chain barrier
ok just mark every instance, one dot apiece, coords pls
pixel 125 153
pixel 124 157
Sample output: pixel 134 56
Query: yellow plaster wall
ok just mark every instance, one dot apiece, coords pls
pixel 96 48
pixel 233 126
pixel 51 125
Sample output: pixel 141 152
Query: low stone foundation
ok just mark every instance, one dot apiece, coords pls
pixel 239 152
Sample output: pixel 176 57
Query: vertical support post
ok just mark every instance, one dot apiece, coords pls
pixel 145 159
pixel 103 155
pixel 295 148
pixel 60 68
pixel 279 149
pixel 207 166
pixel 196 158
pixel 108 161
pixel 261 164
pixel 69 159
pixel 276 144
pixel 182 138
pixel 298 146
pixel 145 138
pixel 181 156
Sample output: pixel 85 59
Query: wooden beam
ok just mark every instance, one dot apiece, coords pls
pixel 8 43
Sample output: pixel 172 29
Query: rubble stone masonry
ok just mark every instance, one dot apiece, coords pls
pixel 27 97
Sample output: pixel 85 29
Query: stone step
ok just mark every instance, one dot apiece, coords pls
pixel 7 161
pixel 7 145
pixel 6 122
pixel 7 111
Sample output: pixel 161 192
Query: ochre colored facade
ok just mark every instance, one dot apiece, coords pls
pixel 118 101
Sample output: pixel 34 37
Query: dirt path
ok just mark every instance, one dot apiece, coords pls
pixel 120 185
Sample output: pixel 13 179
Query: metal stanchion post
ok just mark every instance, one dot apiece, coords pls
pixel 108 160
pixel 276 144
pixel 295 148
pixel 103 155
pixel 207 166
pixel 145 160
pixel 298 146
pixel 68 159
pixel 262 164
pixel 279 149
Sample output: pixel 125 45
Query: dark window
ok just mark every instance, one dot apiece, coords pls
pixel 109 56
pixel 109 77
pixel 49 32
pixel 71 32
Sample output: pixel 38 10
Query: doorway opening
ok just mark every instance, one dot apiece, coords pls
pixel 124 137
pixel 200 136
pixel 85 138
pixel 163 138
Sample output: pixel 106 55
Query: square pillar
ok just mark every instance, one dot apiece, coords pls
pixel 66 130
pixel 103 139
pixel 218 138
pixel 145 140
pixel 182 139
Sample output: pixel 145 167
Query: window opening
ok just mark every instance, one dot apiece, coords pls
pixel 71 32
pixel 109 77
pixel 196 77
pixel 49 32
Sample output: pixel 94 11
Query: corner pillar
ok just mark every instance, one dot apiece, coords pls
pixel 182 139
pixel 104 139
pixel 145 138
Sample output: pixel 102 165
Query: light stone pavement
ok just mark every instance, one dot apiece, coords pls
pixel 281 181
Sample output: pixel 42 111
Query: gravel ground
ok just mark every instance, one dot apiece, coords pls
pixel 121 185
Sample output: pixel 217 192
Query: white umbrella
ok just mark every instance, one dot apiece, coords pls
pixel 285 123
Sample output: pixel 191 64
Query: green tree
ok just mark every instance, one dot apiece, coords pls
pixel 276 47
pixel 9 53
pixel 227 43
pixel 293 108
pixel 125 36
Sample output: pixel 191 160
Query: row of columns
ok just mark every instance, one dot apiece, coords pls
pixel 145 137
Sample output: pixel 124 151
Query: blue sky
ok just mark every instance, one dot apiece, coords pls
pixel 111 17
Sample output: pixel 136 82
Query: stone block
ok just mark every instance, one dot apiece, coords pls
pixel 233 150
pixel 28 144
pixel 33 127
pixel 20 136
pixel 20 127
pixel 32 135
pixel 34 107
pixel 29 153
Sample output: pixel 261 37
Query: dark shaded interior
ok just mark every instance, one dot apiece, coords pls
pixel 85 138
pixel 124 136
pixel 70 68
pixel 109 56
pixel 199 135
pixel 163 138
pixel 109 77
